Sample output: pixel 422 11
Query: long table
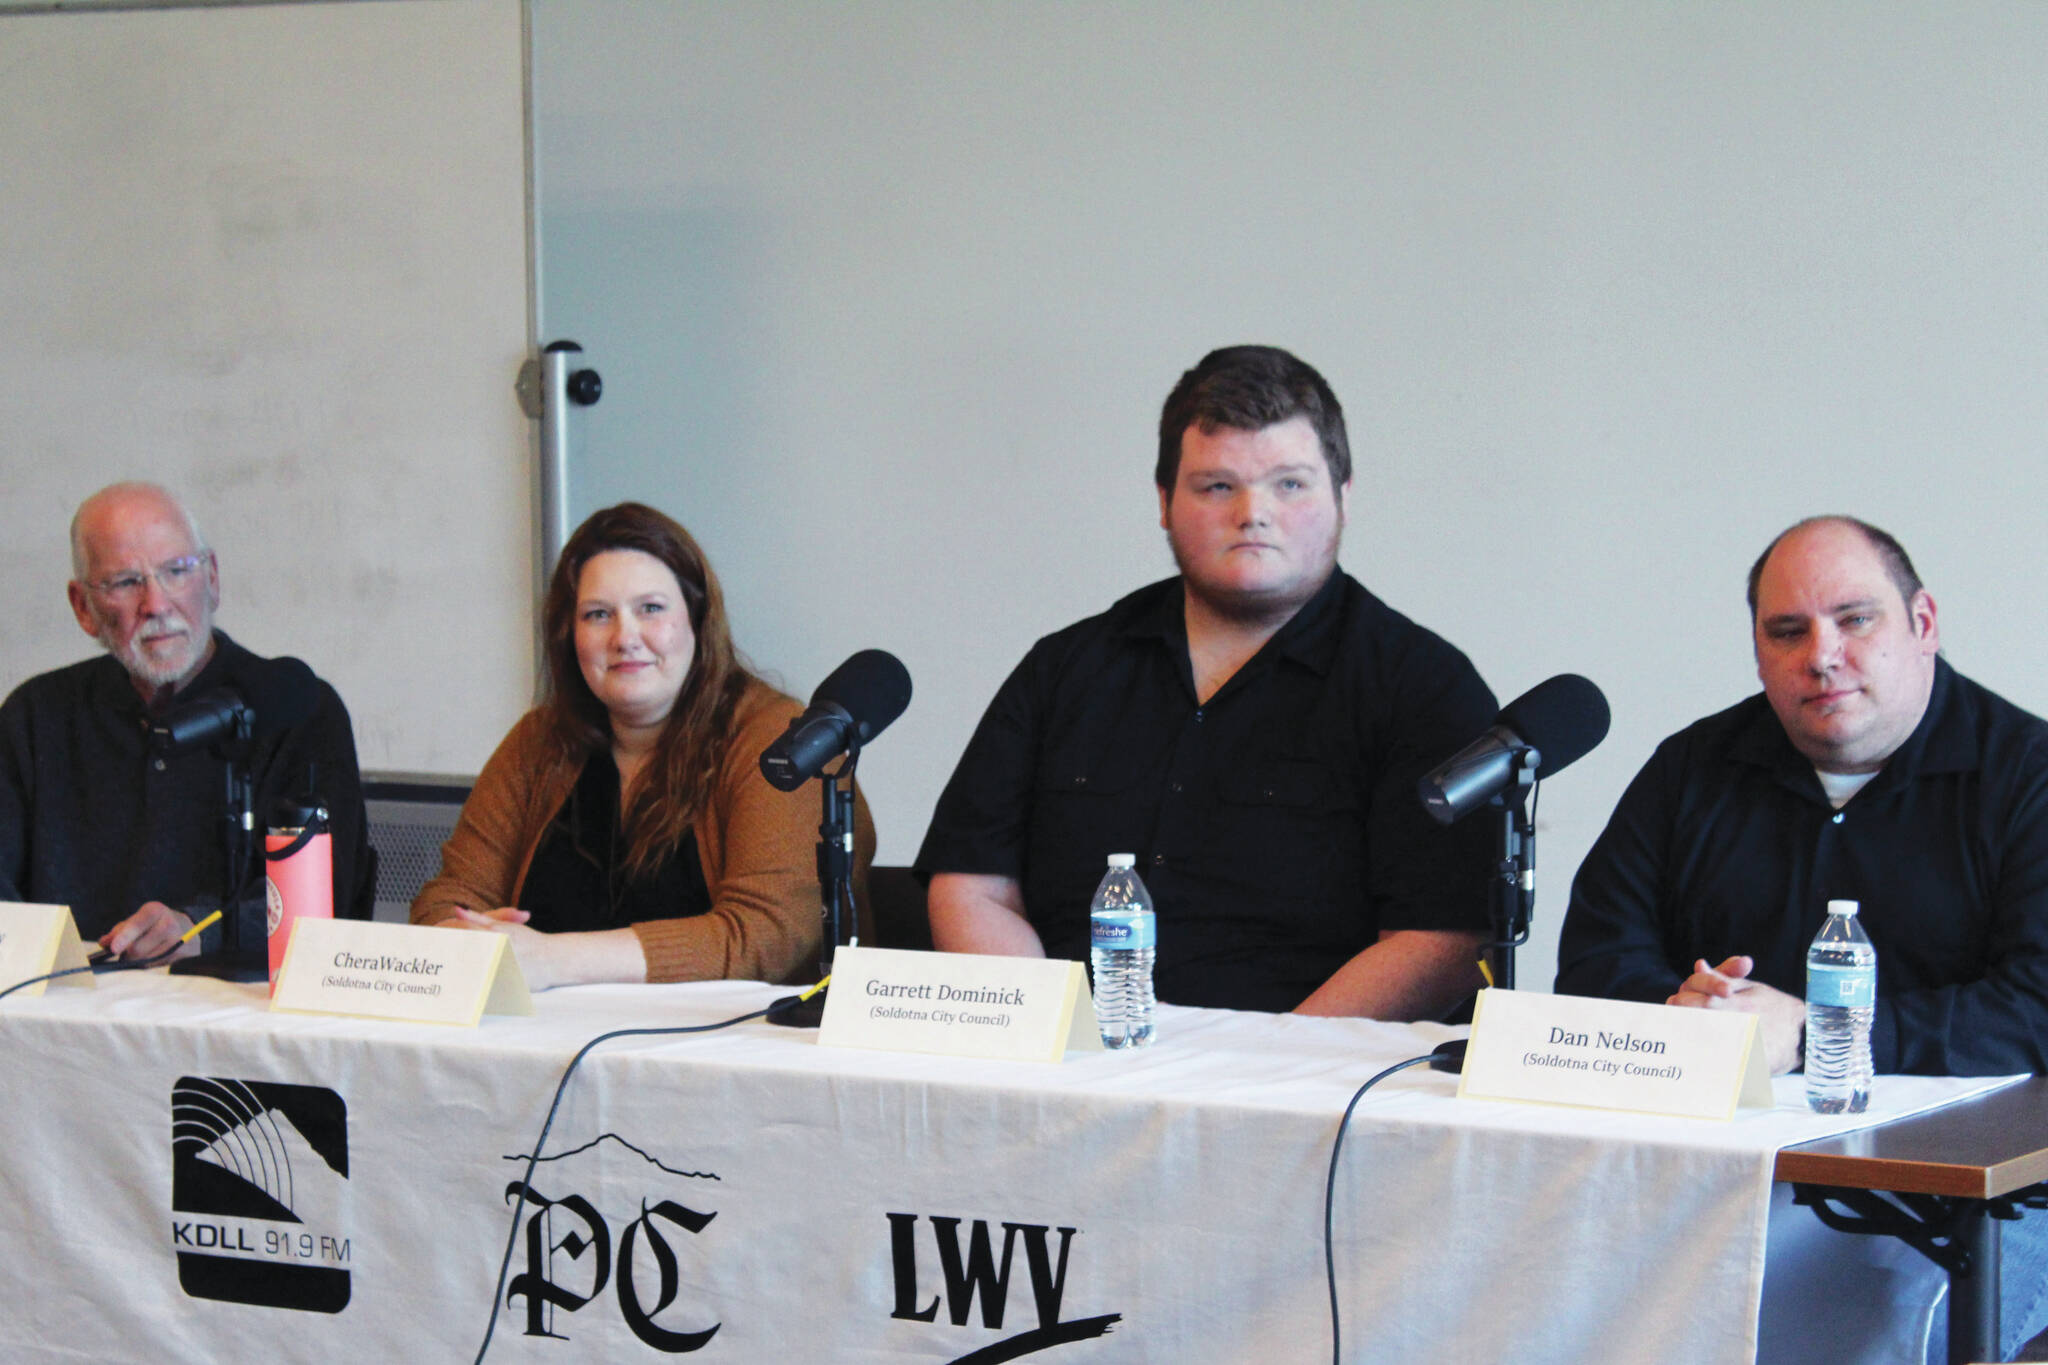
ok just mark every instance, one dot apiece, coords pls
pixel 190 1177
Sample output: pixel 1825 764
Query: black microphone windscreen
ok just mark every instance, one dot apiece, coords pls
pixel 872 688
pixel 203 720
pixel 1563 717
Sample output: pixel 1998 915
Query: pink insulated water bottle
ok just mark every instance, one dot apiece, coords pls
pixel 298 864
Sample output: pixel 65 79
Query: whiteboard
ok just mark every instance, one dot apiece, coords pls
pixel 275 257
pixel 887 297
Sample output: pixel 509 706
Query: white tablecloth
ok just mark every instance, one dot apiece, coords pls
pixel 795 1201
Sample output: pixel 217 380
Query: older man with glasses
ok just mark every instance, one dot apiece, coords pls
pixel 97 811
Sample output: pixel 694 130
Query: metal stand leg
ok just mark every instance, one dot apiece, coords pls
pixel 1514 870
pixel 1973 1286
pixel 1959 1235
pixel 835 883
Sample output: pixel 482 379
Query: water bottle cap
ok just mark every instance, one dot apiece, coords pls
pixel 1123 860
pixel 1843 907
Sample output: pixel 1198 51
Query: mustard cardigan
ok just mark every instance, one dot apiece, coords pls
pixel 758 847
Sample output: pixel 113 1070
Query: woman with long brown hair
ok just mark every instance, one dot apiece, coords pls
pixel 623 830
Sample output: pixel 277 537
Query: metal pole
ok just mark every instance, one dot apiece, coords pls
pixel 547 389
pixel 1973 1287
pixel 555 363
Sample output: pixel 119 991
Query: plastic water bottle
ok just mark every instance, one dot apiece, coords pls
pixel 1841 997
pixel 1122 933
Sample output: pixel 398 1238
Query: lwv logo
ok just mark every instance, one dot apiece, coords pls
pixel 976 1275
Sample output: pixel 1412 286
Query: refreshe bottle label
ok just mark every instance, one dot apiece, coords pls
pixel 1123 933
pixel 1851 988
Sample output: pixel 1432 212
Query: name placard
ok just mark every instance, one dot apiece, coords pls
pixel 1026 1009
pixel 1613 1054
pixel 414 972
pixel 36 940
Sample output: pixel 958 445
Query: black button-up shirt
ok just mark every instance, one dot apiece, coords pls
pixel 1726 844
pixel 1276 825
pixel 91 818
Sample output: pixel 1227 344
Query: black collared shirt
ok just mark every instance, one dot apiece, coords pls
pixel 1277 826
pixel 91 818
pixel 1725 844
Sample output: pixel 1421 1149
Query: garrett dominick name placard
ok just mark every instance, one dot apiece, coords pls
pixel 959 1004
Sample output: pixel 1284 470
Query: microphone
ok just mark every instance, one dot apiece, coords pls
pixel 198 723
pixel 1556 723
pixel 860 699
pixel 276 694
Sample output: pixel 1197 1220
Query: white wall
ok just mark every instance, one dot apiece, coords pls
pixel 1612 292
pixel 887 297
pixel 276 258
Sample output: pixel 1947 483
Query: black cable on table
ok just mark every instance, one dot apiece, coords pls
pixel 117 964
pixel 1330 1195
pixel 526 1181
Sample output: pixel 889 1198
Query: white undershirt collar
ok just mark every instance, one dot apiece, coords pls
pixel 1841 786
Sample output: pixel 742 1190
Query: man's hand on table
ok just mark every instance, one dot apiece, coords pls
pixel 154 929
pixel 1781 1018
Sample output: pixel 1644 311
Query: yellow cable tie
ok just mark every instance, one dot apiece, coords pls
pixel 196 929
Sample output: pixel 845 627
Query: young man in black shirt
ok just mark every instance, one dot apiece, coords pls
pixel 1252 730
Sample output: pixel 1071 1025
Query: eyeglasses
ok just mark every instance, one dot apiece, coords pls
pixel 173 575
